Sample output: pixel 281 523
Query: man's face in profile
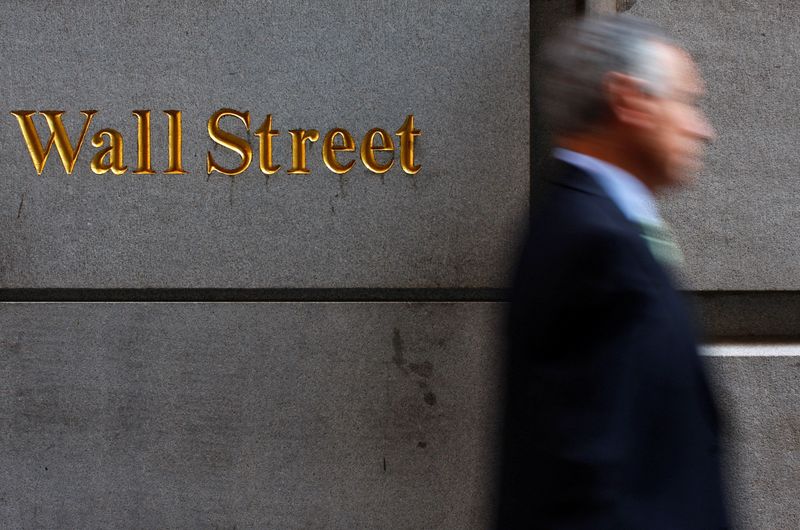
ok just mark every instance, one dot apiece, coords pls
pixel 679 130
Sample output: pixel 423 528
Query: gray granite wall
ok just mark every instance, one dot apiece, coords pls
pixel 461 68
pixel 265 415
pixel 257 412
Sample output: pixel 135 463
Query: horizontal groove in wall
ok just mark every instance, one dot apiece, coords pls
pixel 736 315
pixel 254 295
pixel 749 315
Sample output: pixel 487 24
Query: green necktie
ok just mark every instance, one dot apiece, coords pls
pixel 659 238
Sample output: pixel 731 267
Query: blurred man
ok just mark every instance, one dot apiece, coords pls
pixel 609 420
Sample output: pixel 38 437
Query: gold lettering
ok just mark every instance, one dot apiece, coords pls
pixel 368 149
pixel 238 145
pixel 144 165
pixel 299 137
pixel 265 134
pixel 174 132
pixel 329 150
pixel 58 136
pixel 407 133
pixel 114 151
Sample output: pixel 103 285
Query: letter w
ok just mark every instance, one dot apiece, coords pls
pixel 57 134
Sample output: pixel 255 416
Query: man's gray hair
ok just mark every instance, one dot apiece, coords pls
pixel 574 66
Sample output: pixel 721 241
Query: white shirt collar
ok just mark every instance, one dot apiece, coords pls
pixel 627 192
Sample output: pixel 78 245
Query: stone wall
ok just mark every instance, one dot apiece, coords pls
pixel 330 353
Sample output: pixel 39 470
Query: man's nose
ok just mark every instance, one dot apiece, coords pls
pixel 703 128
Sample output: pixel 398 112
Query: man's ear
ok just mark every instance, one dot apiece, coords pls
pixel 629 101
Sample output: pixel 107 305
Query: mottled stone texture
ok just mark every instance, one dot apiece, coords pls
pixel 461 67
pixel 301 415
pixel 266 415
pixel 738 225
pixel 760 399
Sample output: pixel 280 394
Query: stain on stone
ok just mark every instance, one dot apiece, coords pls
pixel 384 465
pixel 9 345
pixel 343 180
pixel 422 445
pixel 422 369
pixel 21 202
pixel 397 346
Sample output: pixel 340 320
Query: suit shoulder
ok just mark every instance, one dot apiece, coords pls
pixel 570 215
pixel 576 235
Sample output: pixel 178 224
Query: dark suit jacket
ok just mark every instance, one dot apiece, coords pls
pixel 609 420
